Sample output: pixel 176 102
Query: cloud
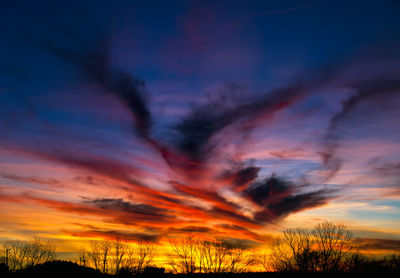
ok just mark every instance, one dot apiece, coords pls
pixel 46 181
pixel 234 217
pixel 196 131
pixel 388 169
pixel 246 233
pixel 128 89
pixel 270 188
pixel 377 244
pixel 196 146
pixel 295 203
pixel 279 198
pixel 93 63
pixel 377 90
pixel 124 206
pixel 114 210
pixel 191 229
pixel 232 227
pixel 99 165
pixel 240 175
pixel 114 234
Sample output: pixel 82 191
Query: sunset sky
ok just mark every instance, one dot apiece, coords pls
pixel 236 119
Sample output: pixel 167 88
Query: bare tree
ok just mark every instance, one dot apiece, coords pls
pixel 93 255
pixel 293 251
pixel 110 256
pixel 83 257
pixel 184 255
pixel 20 254
pixel 39 251
pixel 240 256
pixel 323 249
pixel 195 254
pixel 98 255
pixel 105 253
pixel 145 254
pixel 119 253
pixel 15 252
pixel 333 243
pixel 265 260
pixel 213 256
pixel 139 256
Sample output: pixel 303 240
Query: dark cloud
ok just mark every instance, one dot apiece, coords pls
pixel 281 198
pixel 200 134
pixel 294 203
pixel 190 229
pixel 114 234
pixel 232 227
pixel 128 89
pixel 193 138
pixel 388 169
pixel 233 216
pixel 379 90
pixel 196 130
pixel 100 165
pixel 241 176
pixel 94 63
pixel 114 210
pixel 130 208
pixel 269 189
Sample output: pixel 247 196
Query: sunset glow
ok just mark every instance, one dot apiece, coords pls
pixel 224 119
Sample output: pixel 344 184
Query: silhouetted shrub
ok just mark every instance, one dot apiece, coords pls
pixel 362 263
pixel 124 273
pixel 152 271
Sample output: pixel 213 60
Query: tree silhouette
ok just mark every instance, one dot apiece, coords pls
pixel 333 243
pixel 241 256
pixel 140 257
pixel 110 256
pixel 326 247
pixel 185 255
pixel 204 255
pixel 18 254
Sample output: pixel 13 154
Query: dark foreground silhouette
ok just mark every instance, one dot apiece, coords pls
pixel 69 269
pixel 327 248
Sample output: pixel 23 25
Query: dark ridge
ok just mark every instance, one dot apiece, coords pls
pixel 59 269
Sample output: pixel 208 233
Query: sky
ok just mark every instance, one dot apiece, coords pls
pixel 236 119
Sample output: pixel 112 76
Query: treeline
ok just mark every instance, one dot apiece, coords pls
pixel 193 254
pixel 325 248
pixel 188 255
pixel 112 256
pixel 18 254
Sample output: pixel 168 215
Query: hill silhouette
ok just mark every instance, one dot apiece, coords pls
pixel 60 269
